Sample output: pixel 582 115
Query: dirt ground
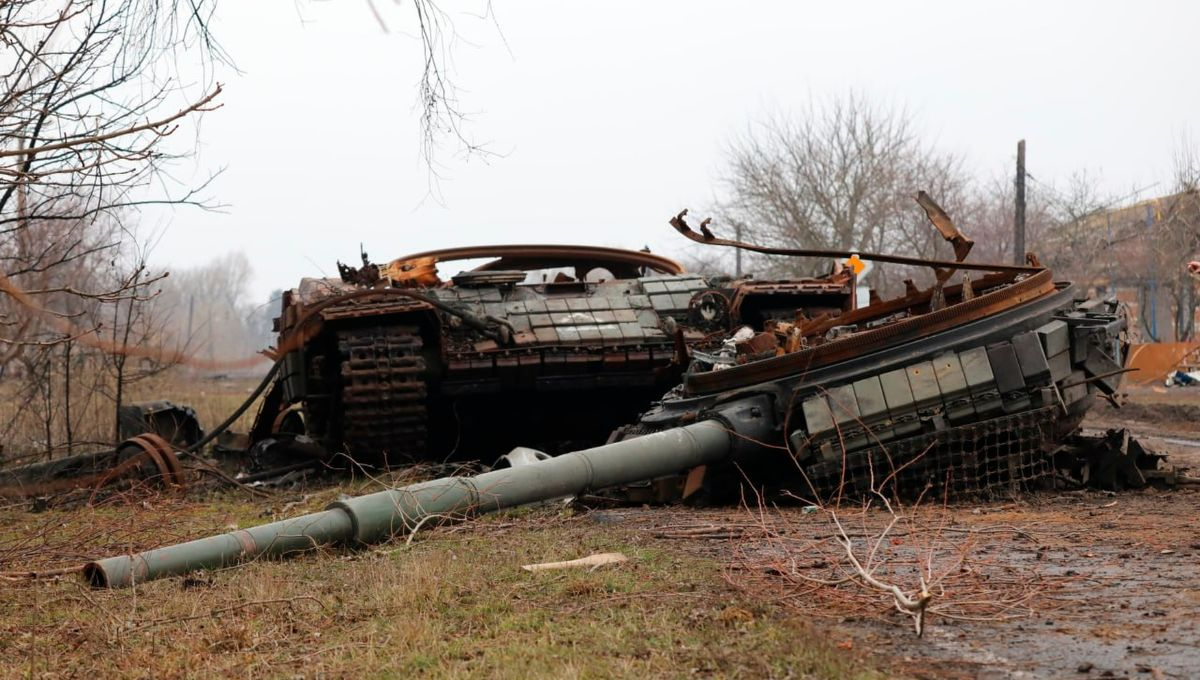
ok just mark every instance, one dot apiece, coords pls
pixel 1070 584
pixel 1121 590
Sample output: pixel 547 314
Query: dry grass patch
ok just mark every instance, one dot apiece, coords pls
pixel 453 603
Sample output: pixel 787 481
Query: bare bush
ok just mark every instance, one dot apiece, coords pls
pixel 841 175
pixel 924 562
pixel 205 312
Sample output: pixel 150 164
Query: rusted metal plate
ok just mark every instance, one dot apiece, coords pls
pixel 1155 360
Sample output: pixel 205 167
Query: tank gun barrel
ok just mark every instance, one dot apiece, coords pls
pixel 379 516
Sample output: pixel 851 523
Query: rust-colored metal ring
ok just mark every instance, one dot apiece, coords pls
pixel 281 419
pixel 148 446
pixel 173 469
pixel 151 451
pixel 143 450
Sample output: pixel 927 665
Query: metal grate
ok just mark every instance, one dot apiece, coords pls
pixel 994 458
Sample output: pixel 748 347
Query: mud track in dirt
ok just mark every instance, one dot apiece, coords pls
pixel 1152 411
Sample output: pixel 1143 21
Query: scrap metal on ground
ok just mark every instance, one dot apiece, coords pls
pixel 1157 362
pixel 175 423
pixel 145 459
pixel 151 434
pixel 960 390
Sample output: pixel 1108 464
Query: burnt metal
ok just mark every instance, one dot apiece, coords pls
pixel 682 227
pixel 175 423
pixel 133 456
pixel 622 263
pixel 956 391
pixel 1000 457
pixel 859 344
pixel 279 471
pixel 941 220
pixel 959 404
pixel 939 393
pixel 144 458
pixel 384 398
pixel 549 346
pixel 417 368
pixel 1113 461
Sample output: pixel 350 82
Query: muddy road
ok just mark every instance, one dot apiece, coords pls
pixel 1067 584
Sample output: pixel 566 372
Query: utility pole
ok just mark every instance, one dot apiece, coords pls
pixel 1019 219
pixel 737 252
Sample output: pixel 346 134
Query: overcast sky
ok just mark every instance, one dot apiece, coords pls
pixel 607 118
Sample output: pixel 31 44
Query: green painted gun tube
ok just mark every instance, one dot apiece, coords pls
pixel 379 516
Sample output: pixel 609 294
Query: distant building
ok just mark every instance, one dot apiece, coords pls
pixel 1140 254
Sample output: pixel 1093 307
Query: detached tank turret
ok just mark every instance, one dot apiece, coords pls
pixel 549 346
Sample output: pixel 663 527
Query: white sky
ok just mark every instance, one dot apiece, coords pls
pixel 610 117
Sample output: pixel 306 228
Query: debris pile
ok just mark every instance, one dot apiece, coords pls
pixel 966 390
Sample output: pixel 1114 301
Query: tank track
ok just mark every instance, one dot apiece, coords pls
pixel 384 412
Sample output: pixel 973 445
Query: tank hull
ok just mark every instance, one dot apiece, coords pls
pixel 497 357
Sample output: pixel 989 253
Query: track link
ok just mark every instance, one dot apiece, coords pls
pixel 384 394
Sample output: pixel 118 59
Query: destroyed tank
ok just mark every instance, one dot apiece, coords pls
pixel 550 346
pixel 955 390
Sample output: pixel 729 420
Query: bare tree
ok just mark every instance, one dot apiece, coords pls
pixel 133 323
pixel 1178 238
pixel 204 308
pixel 88 98
pixel 990 218
pixel 1099 239
pixel 842 174
pixel 442 114
pixel 90 95
pixel 1065 228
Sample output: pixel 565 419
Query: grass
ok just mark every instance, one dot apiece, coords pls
pixel 22 416
pixel 454 603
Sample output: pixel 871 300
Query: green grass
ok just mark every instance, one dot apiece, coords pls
pixel 454 603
